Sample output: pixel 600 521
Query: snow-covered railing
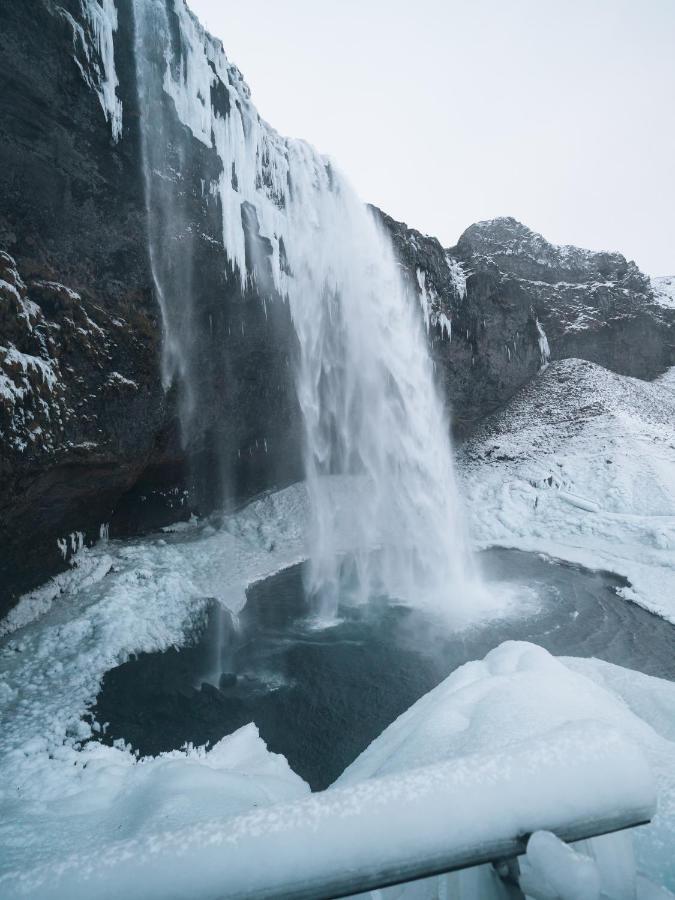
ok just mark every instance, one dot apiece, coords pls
pixel 578 781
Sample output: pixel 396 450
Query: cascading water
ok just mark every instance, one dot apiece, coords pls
pixel 294 229
pixel 170 242
pixel 371 409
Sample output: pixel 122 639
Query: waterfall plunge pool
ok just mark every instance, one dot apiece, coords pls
pixel 320 696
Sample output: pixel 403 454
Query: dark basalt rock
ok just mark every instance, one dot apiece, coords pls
pixel 593 306
pixel 88 434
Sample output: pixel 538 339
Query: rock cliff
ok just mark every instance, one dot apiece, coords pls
pixel 504 301
pixel 89 437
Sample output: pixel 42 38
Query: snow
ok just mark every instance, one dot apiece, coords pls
pixel 110 796
pixel 664 290
pixel 117 379
pixel 580 465
pixel 505 236
pixel 28 381
pixel 553 869
pixel 457 275
pixel 359 828
pixel 27 363
pixel 521 693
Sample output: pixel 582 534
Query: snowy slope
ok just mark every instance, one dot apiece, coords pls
pixel 581 465
pixel 664 290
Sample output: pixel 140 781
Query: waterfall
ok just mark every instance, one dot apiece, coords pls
pixel 378 458
pixel 164 156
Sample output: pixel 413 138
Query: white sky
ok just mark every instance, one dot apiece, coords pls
pixel 558 112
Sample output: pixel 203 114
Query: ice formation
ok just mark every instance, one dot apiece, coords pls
pixel 95 56
pixel 457 275
pixel 293 226
pixel 507 720
pixel 544 350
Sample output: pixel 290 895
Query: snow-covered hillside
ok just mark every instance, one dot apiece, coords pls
pixel 664 290
pixel 581 465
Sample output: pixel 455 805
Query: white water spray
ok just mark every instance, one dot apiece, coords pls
pixel 371 409
pixel 294 229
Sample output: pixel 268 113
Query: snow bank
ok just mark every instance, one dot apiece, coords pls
pixel 105 795
pixel 580 465
pixel 519 692
pixel 454 812
pixel 650 703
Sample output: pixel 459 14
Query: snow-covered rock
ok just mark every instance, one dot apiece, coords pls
pixel 504 300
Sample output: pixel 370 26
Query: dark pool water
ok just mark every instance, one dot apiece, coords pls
pixel 320 697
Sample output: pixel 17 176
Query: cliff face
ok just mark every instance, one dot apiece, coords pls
pixel 504 301
pixel 90 437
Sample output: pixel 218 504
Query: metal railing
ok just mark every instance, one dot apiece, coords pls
pixel 578 782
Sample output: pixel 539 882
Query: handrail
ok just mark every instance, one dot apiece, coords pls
pixel 578 782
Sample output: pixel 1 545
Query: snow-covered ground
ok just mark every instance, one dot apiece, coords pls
pixel 580 465
pixel 664 290
pixel 57 792
pixel 521 692
pixel 176 807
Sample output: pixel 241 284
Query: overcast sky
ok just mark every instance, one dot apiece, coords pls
pixel 444 112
